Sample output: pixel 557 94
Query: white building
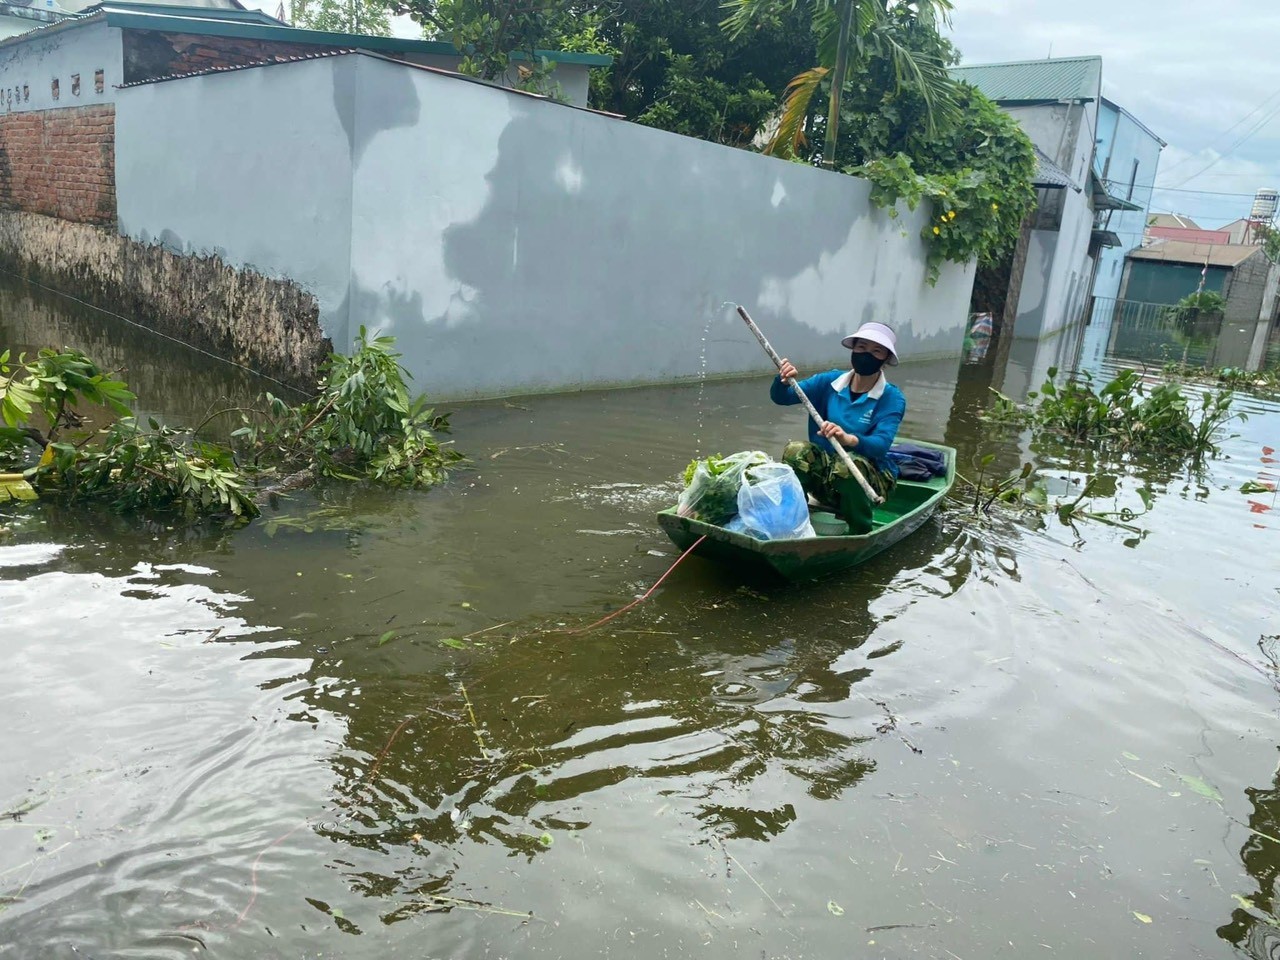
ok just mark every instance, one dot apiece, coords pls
pixel 1059 104
pixel 81 59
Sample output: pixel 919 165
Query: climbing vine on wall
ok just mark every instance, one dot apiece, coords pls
pixel 976 176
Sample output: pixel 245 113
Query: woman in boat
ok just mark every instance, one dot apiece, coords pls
pixel 861 411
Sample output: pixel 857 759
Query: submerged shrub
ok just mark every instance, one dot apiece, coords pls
pixel 362 425
pixel 1124 414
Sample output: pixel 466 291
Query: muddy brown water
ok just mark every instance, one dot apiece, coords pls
pixel 997 739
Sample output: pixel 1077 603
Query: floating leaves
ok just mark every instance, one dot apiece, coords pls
pixel 1141 916
pixel 1202 787
pixel 835 909
pixel 387 638
pixel 1146 780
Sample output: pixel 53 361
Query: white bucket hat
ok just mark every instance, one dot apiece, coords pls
pixel 876 333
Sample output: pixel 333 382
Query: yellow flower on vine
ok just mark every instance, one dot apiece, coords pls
pixel 937 230
pixel 951 215
pixel 995 206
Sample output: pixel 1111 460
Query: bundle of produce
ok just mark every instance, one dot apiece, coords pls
pixel 711 486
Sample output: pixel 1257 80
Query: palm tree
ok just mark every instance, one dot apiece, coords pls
pixel 850 33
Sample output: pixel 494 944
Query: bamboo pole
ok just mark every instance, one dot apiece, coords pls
pixel 813 412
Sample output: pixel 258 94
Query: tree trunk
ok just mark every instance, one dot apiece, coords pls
pixel 837 84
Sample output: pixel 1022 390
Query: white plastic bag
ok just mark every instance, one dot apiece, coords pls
pixel 711 492
pixel 772 504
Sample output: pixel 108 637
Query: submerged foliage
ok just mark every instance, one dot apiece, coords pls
pixel 362 425
pixel 1125 414
pixel 1026 491
pixel 1254 381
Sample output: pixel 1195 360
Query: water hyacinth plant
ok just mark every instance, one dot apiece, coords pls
pixel 1125 414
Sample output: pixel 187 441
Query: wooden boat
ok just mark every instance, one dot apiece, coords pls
pixel 908 507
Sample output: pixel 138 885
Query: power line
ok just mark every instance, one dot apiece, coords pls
pixel 1267 118
pixel 1218 137
pixel 1203 193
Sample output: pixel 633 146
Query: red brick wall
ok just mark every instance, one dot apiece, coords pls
pixel 60 163
pixel 149 54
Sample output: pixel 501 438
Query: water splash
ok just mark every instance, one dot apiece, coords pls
pixel 702 372
pixel 702 385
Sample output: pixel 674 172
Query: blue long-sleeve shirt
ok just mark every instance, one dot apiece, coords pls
pixel 872 417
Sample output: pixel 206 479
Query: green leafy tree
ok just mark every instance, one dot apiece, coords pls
pixel 365 17
pixel 676 68
pixel 490 33
pixel 851 35
pixel 1270 239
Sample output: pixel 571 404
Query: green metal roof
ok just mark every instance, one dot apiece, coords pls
pixel 204 25
pixel 175 10
pixel 1066 78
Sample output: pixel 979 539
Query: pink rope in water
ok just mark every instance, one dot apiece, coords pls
pixel 639 600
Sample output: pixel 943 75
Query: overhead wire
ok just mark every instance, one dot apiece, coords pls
pixel 1230 150
pixel 1218 137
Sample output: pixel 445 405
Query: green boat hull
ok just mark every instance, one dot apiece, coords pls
pixel 907 509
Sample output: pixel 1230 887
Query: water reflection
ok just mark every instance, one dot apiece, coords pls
pixel 727 728
pixel 1254 928
pixel 171 381
pixel 930 751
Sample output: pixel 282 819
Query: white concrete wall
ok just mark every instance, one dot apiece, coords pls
pixel 1058 270
pixel 1057 273
pixel 516 245
pixel 29 65
pixel 272 194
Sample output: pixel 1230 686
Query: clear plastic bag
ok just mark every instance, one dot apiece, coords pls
pixel 772 504
pixel 711 486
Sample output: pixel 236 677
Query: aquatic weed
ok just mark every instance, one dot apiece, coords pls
pixel 1125 414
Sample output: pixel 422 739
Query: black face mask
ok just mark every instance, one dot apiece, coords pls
pixel 865 364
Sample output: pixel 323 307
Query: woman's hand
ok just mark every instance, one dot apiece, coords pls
pixel 832 431
pixel 787 370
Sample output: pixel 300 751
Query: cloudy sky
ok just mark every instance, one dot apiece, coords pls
pixel 1205 77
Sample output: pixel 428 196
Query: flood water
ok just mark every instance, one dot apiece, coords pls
pixel 345 732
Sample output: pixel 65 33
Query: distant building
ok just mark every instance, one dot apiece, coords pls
pixel 1126 160
pixel 1172 220
pixel 1186 235
pixel 1236 230
pixel 81 60
pixel 1059 104
pixel 21 16
pixel 1164 272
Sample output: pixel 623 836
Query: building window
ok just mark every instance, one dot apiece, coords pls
pixel 1133 178
pixel 75 84
pixel 99 81
pixel 53 88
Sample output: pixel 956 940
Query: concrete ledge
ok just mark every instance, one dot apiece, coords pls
pixel 271 326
